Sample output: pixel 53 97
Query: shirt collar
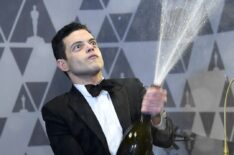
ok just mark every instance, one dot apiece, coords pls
pixel 82 89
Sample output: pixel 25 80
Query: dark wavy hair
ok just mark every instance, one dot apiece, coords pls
pixel 57 41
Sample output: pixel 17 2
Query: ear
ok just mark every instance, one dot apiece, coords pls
pixel 62 65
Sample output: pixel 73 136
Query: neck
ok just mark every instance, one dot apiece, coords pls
pixel 87 79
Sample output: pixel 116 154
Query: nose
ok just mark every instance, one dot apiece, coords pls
pixel 89 47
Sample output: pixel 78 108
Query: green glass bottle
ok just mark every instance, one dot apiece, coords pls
pixel 137 140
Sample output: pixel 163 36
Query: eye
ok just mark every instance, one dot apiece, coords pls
pixel 93 42
pixel 77 47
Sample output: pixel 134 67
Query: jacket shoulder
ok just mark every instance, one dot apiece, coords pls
pixel 128 81
pixel 58 102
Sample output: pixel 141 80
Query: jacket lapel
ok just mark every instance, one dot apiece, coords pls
pixel 121 104
pixel 82 108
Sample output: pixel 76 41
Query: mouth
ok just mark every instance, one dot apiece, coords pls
pixel 93 57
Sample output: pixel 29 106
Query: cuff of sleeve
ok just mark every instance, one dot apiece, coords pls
pixel 162 124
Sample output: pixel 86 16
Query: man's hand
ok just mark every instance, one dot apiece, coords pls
pixel 154 100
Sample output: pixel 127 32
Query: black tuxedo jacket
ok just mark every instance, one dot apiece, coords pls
pixel 73 128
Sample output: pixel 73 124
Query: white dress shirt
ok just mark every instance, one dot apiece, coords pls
pixel 105 113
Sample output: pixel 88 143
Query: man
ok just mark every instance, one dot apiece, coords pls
pixel 79 123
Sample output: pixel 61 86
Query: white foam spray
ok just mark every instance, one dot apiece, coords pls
pixel 180 23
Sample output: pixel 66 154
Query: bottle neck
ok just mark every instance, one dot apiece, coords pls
pixel 145 117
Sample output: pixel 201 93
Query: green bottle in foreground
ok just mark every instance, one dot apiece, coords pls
pixel 137 139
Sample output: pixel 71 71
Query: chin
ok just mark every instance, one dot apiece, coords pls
pixel 96 71
pixel 97 67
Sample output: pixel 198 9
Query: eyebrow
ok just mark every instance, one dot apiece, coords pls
pixel 92 39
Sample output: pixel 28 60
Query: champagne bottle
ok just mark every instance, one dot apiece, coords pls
pixel 137 140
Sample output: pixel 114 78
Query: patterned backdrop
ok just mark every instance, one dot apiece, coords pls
pixel 127 32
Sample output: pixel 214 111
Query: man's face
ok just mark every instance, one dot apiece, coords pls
pixel 83 55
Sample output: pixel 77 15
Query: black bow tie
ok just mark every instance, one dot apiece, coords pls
pixel 95 90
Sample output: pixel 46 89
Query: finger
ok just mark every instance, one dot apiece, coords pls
pixel 151 110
